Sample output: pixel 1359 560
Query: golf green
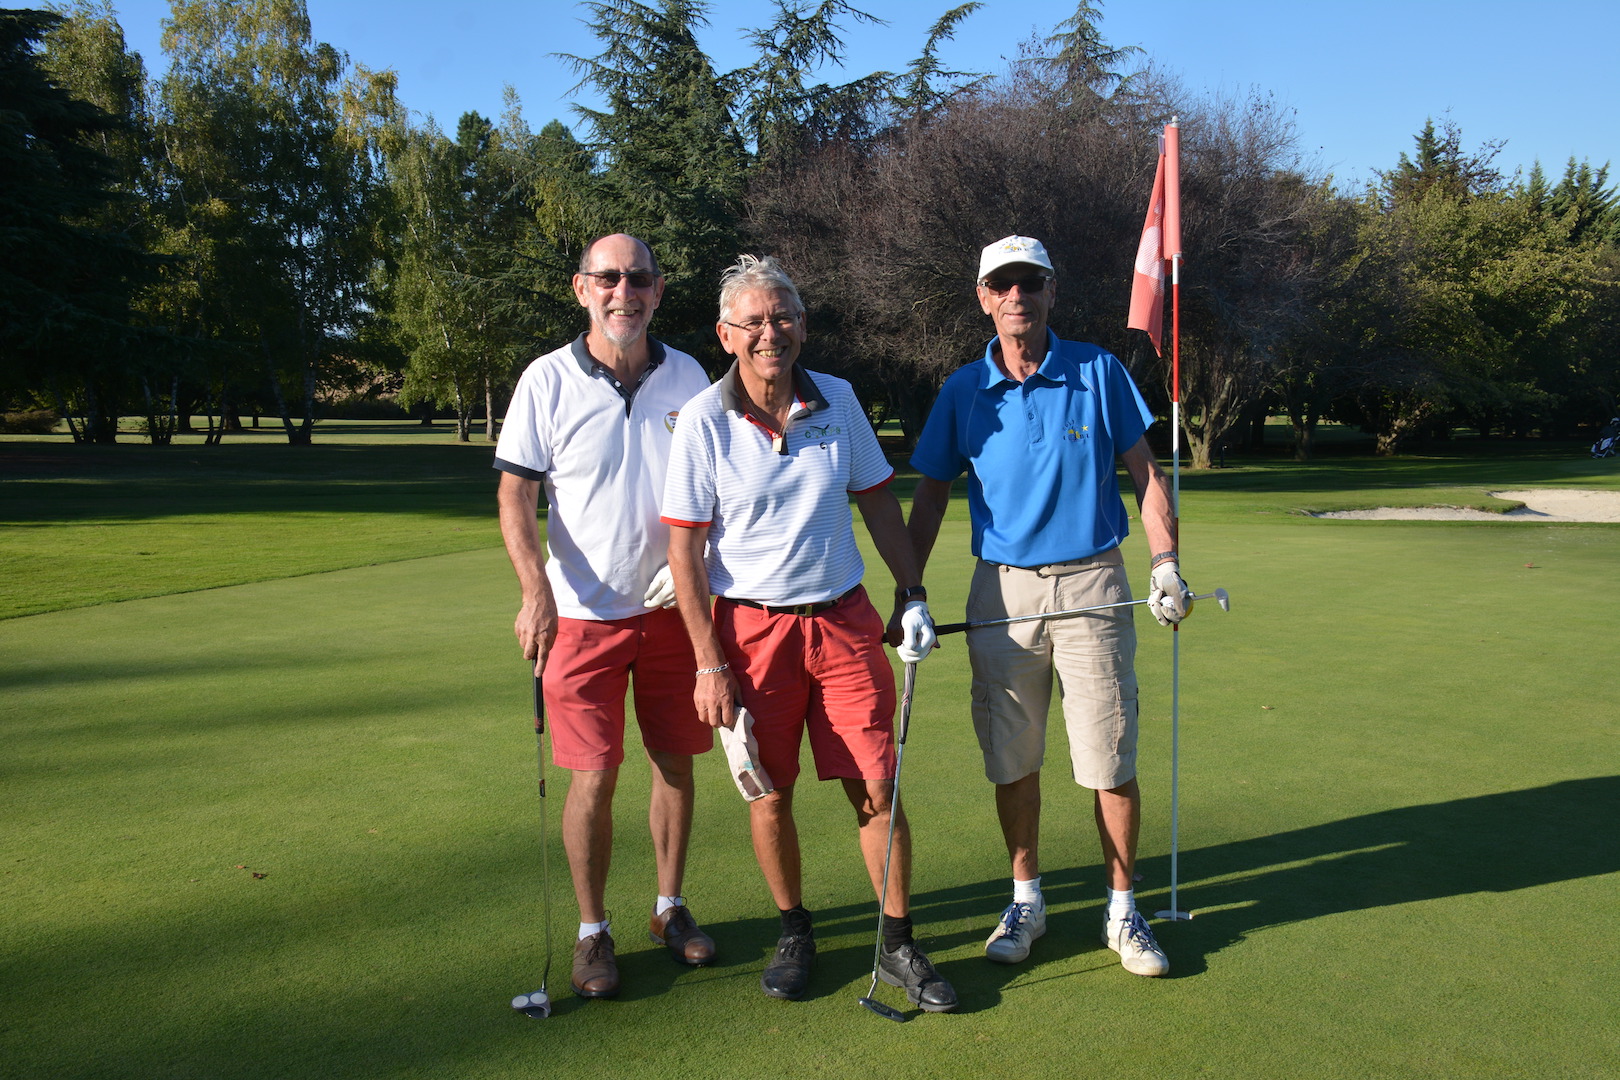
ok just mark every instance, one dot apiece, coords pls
pixel 289 828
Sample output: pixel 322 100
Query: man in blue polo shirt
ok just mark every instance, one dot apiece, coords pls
pixel 1037 424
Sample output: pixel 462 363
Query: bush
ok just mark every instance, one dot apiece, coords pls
pixel 28 422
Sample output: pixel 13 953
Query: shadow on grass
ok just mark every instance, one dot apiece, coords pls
pixel 1486 844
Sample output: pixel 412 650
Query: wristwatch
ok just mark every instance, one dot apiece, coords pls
pixel 915 592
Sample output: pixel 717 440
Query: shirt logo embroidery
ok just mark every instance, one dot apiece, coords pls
pixel 1074 435
pixel 669 419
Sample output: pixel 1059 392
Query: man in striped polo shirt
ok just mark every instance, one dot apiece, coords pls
pixel 757 496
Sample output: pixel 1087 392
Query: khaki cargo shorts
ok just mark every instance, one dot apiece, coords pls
pixel 1092 655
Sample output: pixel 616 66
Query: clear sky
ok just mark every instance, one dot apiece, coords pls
pixel 1361 76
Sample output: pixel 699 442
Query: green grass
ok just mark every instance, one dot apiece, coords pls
pixel 90 524
pixel 1398 797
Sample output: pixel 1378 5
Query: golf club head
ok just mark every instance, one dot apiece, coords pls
pixel 886 1011
pixel 1223 599
pixel 537 1005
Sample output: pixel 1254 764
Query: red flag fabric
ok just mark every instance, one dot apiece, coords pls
pixel 1147 284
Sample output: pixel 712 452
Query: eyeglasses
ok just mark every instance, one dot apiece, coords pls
pixel 756 327
pixel 1032 283
pixel 609 279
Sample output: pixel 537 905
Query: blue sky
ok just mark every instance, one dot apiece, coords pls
pixel 1361 77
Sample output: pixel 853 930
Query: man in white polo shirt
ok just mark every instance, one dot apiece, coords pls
pixel 593 422
pixel 760 477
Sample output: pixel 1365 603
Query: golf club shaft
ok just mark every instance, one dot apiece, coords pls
pixel 894 812
pixel 957 627
pixel 545 831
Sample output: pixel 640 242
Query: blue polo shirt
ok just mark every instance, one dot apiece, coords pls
pixel 1039 455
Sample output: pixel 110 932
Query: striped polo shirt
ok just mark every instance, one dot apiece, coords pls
pixel 780 527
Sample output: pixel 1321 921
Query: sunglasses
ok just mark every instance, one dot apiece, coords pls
pixel 609 279
pixel 1031 283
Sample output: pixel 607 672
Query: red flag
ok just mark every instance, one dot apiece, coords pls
pixel 1147 284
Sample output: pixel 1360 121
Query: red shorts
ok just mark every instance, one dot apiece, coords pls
pixel 587 672
pixel 825 672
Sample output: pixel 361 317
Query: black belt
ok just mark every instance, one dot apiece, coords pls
pixel 794 609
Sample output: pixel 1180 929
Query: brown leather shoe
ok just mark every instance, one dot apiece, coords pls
pixel 677 929
pixel 596 969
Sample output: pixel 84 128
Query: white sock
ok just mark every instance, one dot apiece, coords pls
pixel 667 902
pixel 1028 892
pixel 586 929
pixel 1121 904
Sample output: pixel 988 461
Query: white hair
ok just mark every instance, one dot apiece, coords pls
pixel 749 274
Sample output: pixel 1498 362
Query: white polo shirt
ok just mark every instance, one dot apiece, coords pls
pixel 601 450
pixel 780 527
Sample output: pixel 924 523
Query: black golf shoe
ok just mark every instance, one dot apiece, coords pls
pixel 788 973
pixel 907 967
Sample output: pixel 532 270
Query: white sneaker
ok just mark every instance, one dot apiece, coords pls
pixel 1020 925
pixel 1132 939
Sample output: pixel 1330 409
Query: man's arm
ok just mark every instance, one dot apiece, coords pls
pixel 1152 496
pixel 536 625
pixel 716 695
pixel 928 504
pixel 881 512
pixel 884 521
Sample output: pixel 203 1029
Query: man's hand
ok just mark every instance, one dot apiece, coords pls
pixel 916 633
pixel 1170 599
pixel 716 697
pixel 536 630
pixel 661 593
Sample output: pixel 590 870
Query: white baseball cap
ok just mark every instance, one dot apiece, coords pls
pixel 1010 250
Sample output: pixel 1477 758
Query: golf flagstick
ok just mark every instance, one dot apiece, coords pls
pixel 1172 248
pixel 538 1004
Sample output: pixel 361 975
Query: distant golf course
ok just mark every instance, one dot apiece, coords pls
pixel 268 803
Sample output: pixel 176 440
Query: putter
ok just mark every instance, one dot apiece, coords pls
pixel 1220 596
pixel 888 1012
pixel 538 1004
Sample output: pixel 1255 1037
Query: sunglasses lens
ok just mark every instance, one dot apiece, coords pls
pixel 1034 283
pixel 609 279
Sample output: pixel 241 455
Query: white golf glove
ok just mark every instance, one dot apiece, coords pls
pixel 661 593
pixel 917 633
pixel 742 757
pixel 1170 599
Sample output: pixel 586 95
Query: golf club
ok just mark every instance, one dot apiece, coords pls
pixel 538 1004
pixel 888 1012
pixel 1220 596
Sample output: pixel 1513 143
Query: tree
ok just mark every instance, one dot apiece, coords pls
pixel 1247 213
pixel 927 86
pixel 271 186
pixel 779 114
pixel 67 268
pixel 1077 60
pixel 673 162
pixel 458 211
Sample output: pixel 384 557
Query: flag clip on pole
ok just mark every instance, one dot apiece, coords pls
pixel 1170 168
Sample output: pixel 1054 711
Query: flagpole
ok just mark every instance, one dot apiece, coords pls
pixel 1172 248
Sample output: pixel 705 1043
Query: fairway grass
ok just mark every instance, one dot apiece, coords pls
pixel 1398 797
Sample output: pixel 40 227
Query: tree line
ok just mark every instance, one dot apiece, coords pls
pixel 264 228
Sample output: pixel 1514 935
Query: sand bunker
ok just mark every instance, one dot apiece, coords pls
pixel 1539 505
